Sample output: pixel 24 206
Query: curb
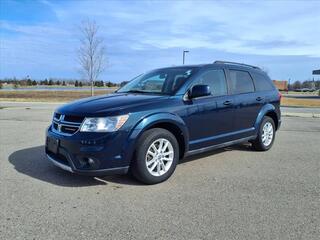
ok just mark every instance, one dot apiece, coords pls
pixel 289 106
pixel 303 115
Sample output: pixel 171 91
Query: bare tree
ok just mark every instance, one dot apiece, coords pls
pixel 92 52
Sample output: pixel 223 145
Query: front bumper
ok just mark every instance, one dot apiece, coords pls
pixel 93 154
pixel 99 172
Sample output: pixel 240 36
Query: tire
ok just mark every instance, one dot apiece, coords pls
pixel 263 141
pixel 149 165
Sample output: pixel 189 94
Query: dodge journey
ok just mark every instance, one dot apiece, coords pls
pixel 162 116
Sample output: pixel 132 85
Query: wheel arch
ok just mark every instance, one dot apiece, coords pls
pixel 274 117
pixel 171 122
pixel 270 111
pixel 176 131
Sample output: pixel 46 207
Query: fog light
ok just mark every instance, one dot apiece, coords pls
pixel 88 162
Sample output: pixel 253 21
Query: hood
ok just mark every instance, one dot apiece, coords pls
pixel 113 103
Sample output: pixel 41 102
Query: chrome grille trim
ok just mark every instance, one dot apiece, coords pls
pixel 61 123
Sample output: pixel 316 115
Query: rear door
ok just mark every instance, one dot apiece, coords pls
pixel 246 100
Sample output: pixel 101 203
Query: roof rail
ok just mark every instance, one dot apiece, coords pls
pixel 235 63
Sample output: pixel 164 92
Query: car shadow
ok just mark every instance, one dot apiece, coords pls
pixel 34 163
pixel 239 147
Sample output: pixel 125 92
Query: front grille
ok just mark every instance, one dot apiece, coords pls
pixel 66 124
pixel 70 118
pixel 69 130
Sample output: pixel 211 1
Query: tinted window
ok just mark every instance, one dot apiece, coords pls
pixel 241 82
pixel 261 82
pixel 216 80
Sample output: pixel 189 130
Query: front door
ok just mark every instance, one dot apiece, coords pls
pixel 212 119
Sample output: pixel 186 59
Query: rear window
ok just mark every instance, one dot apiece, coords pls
pixel 241 82
pixel 262 82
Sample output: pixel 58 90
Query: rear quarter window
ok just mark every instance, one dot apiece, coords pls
pixel 262 82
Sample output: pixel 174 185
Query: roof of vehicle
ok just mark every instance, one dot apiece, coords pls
pixel 221 63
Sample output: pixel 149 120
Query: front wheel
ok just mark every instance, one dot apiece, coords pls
pixel 266 135
pixel 156 156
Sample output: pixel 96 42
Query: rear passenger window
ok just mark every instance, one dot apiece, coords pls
pixel 241 82
pixel 261 82
pixel 216 80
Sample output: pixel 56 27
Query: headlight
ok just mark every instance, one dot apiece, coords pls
pixel 105 124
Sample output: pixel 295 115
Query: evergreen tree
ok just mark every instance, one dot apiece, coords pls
pixel 34 83
pixel 80 84
pixel 76 84
pixel 29 82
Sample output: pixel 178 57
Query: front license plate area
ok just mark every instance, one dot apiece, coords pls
pixel 53 144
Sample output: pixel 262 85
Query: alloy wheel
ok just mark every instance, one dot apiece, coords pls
pixel 159 157
pixel 267 134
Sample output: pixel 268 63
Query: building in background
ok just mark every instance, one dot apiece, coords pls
pixel 281 85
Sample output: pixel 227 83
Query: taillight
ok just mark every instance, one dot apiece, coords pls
pixel 280 96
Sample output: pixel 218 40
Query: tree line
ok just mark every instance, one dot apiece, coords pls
pixel 304 84
pixel 80 83
pixel 54 82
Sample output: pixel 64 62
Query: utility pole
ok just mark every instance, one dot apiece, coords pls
pixel 184 56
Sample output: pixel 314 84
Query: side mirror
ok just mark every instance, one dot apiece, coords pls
pixel 199 91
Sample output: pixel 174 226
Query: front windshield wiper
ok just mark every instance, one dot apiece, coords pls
pixel 145 92
pixel 136 91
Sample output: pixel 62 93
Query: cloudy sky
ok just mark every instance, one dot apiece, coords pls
pixel 40 37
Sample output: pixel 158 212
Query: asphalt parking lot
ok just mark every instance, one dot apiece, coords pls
pixel 233 193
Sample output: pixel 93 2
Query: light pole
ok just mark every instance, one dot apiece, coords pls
pixel 184 56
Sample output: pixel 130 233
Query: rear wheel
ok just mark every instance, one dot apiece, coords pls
pixel 266 135
pixel 156 156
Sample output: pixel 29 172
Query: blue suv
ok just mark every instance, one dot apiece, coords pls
pixel 162 116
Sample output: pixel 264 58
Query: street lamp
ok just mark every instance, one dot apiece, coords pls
pixel 184 56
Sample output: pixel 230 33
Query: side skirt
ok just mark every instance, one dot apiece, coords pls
pixel 226 144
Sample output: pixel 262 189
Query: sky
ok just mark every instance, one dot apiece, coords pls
pixel 40 38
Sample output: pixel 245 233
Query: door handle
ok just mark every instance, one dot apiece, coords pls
pixel 227 102
pixel 259 99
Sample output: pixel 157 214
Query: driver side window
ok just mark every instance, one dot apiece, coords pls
pixel 216 80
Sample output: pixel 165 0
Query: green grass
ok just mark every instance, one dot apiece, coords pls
pixel 46 96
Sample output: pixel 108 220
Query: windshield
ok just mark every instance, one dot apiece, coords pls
pixel 164 81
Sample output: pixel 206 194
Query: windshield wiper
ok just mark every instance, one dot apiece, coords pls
pixel 136 91
pixel 140 91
